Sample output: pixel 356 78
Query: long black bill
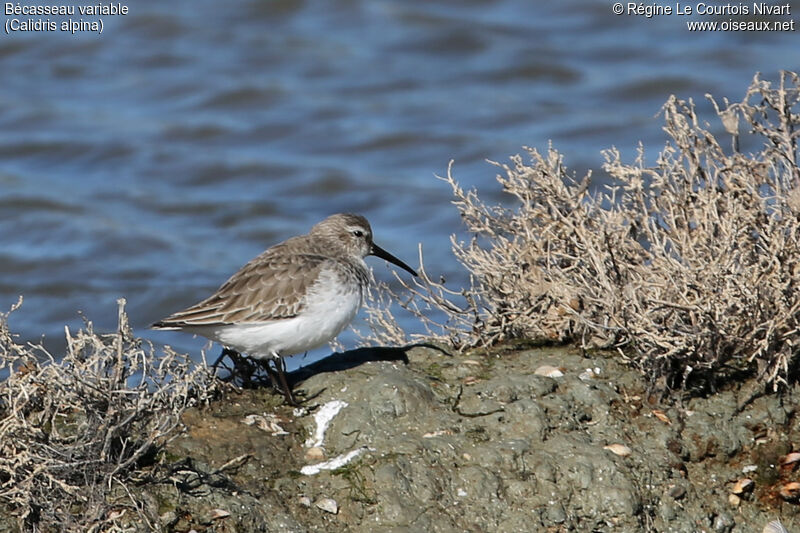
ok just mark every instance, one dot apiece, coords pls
pixel 377 251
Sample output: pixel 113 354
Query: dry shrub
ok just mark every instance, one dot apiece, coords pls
pixel 73 431
pixel 688 267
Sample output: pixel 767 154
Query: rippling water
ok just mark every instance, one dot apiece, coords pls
pixel 153 160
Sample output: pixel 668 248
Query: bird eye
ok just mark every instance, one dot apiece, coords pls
pixel 358 233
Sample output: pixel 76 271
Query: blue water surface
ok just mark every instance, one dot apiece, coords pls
pixel 153 160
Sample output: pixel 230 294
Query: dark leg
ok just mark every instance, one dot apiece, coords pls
pixel 280 367
pixel 273 376
pixel 245 370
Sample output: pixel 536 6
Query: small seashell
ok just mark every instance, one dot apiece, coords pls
pixel 549 371
pixel 792 457
pixel 618 449
pixel 328 505
pixel 471 380
pixel 749 468
pixel 790 491
pixel 305 501
pixel 789 461
pixel 775 527
pixel 216 514
pixel 743 485
pixel 266 422
pixel 471 362
pixel 661 416
pixel 734 500
pixel 315 453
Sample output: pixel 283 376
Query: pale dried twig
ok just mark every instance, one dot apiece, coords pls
pixel 72 428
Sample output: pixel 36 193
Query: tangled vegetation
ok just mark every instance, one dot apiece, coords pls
pixel 688 267
pixel 74 430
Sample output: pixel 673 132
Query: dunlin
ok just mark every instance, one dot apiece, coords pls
pixel 294 297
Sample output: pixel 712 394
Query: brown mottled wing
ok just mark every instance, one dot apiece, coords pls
pixel 269 287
